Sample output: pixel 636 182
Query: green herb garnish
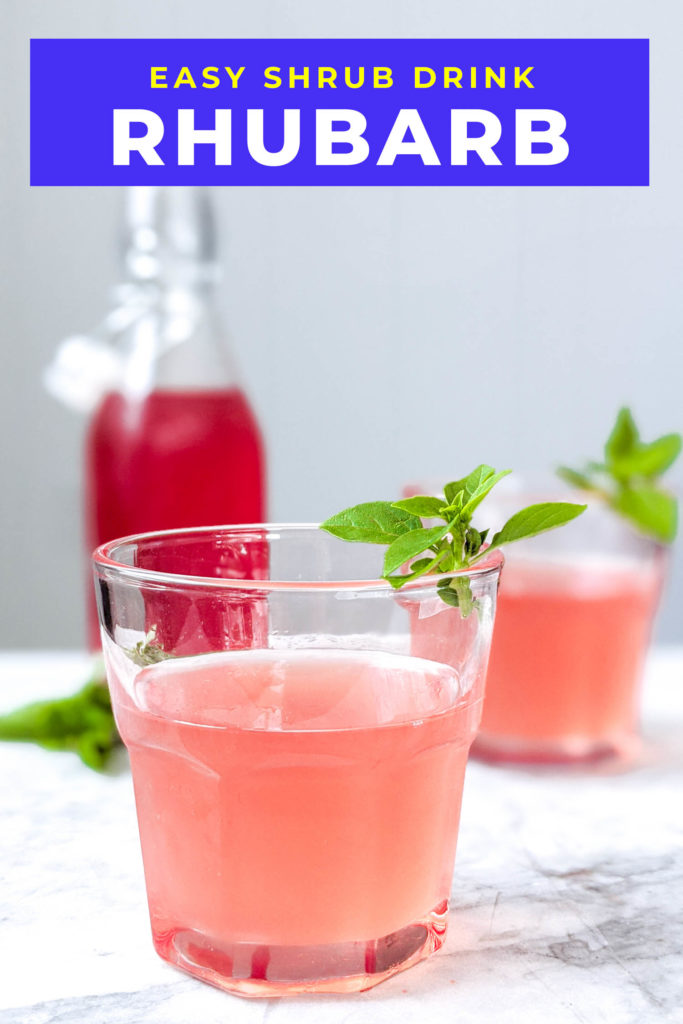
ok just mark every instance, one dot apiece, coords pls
pixel 456 544
pixel 83 723
pixel 148 651
pixel 628 478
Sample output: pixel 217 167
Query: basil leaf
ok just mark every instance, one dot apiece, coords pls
pixel 453 489
pixel 449 596
pixel 83 723
pixel 623 438
pixel 410 545
pixel 147 651
pixel 396 581
pixel 455 507
pixel 468 485
pixel 418 568
pixel 652 511
pixel 472 542
pixel 373 522
pixel 475 495
pixel 421 505
pixel 535 519
pixel 574 478
pixel 650 459
pixel 476 478
pixel 627 480
pixel 420 565
pixel 468 493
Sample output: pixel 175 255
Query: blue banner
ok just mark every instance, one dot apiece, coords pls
pixel 339 112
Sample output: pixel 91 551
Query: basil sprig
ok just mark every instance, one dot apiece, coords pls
pixel 147 651
pixel 82 722
pixel 414 550
pixel 628 478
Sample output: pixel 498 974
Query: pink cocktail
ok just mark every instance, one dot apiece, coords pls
pixel 573 628
pixel 298 791
pixel 275 789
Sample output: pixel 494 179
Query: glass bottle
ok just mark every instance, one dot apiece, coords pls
pixel 172 441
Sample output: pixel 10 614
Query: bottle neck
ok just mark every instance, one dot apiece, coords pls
pixel 169 239
pixel 165 330
pixel 176 338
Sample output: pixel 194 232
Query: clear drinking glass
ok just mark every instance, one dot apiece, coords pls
pixel 298 733
pixel 575 615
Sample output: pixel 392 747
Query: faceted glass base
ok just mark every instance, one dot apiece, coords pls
pixel 252 970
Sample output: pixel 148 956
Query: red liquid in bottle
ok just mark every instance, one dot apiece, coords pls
pixel 168 460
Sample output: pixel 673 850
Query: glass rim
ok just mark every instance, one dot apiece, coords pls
pixel 103 558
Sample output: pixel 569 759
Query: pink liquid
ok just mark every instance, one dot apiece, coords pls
pixel 298 812
pixel 173 459
pixel 567 656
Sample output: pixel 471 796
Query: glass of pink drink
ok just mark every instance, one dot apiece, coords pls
pixel 298 735
pixel 575 615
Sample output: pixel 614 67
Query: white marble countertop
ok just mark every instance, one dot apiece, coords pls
pixel 567 898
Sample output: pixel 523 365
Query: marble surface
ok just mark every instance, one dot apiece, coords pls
pixel 567 898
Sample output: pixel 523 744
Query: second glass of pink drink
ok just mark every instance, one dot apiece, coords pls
pixel 298 734
pixel 575 615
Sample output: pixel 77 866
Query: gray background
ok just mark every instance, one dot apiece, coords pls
pixel 532 313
